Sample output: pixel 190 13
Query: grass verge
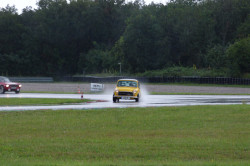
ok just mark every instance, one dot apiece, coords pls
pixel 52 92
pixel 38 101
pixel 167 93
pixel 58 92
pixel 193 135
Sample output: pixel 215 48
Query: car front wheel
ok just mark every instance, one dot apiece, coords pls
pixel 2 90
pixel 114 99
pixel 137 99
pixel 17 92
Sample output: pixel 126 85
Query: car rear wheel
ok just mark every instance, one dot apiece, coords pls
pixel 2 90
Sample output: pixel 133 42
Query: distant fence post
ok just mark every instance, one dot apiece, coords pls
pixel 31 79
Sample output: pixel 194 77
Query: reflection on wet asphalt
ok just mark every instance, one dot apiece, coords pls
pixel 146 101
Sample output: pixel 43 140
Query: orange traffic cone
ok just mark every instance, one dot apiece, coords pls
pixel 82 95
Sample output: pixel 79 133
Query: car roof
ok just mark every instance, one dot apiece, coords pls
pixel 127 80
pixel 2 77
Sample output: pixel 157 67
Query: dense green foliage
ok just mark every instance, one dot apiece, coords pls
pixel 170 136
pixel 239 53
pixel 85 36
pixel 184 71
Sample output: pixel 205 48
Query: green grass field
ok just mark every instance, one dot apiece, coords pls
pixel 191 135
pixel 38 101
pixel 186 93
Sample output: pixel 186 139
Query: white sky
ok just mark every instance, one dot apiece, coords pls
pixel 21 4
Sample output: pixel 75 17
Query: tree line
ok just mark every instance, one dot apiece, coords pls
pixel 93 36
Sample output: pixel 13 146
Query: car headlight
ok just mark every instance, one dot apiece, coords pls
pixel 7 86
pixel 135 91
pixel 20 86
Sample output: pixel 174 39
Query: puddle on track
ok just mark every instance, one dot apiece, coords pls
pixel 105 101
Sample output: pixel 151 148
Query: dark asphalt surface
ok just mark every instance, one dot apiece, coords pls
pixel 146 101
pixel 85 87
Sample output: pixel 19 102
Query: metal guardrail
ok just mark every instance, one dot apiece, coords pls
pixel 199 80
pixel 31 79
pixel 89 79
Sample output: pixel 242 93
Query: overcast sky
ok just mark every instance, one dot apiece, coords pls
pixel 21 4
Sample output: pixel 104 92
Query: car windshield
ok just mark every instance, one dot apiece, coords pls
pixel 127 83
pixel 4 79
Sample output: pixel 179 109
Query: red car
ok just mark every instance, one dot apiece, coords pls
pixel 7 86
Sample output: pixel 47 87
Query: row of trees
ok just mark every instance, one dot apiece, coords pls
pixel 88 36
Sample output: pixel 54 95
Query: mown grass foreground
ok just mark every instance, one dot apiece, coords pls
pixel 193 135
pixel 38 101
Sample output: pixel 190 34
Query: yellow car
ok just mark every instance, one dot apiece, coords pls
pixel 127 89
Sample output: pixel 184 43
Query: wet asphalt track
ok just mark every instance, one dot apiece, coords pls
pixel 105 101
